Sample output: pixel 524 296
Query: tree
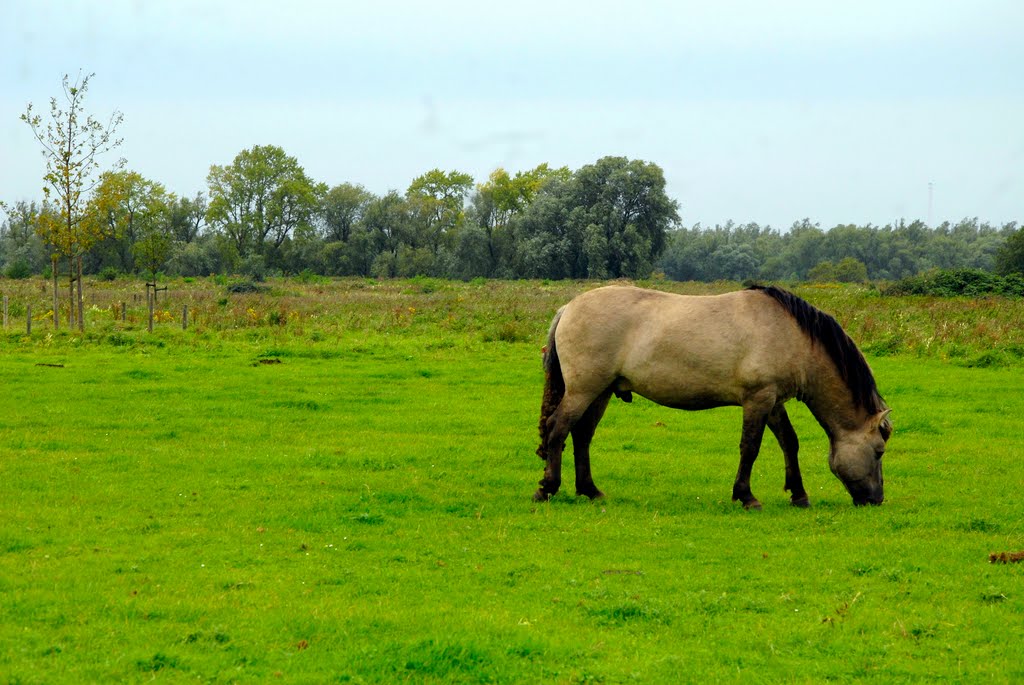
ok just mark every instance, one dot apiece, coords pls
pixel 188 217
pixel 494 205
pixel 1010 257
pixel 260 198
pixel 438 200
pixel 22 252
pixel 387 224
pixel 342 209
pixel 131 208
pixel 609 220
pixel 72 143
pixel 850 270
pixel 822 272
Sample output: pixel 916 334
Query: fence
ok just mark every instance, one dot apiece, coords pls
pixel 119 311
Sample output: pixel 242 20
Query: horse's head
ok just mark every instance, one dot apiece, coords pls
pixel 856 458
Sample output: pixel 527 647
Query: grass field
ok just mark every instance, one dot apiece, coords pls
pixel 331 482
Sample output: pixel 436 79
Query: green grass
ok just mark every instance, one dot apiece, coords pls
pixel 172 508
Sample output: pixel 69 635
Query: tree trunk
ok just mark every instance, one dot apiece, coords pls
pixel 81 317
pixel 56 308
pixel 71 292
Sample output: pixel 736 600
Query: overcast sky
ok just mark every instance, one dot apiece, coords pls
pixel 842 112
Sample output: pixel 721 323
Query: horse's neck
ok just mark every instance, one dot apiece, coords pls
pixel 829 398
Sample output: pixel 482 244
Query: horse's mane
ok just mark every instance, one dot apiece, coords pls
pixel 823 329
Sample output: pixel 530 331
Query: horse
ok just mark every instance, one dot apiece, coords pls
pixel 755 348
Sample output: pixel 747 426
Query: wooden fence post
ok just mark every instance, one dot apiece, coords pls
pixel 5 312
pixel 124 312
pixel 28 316
pixel 149 297
pixel 184 317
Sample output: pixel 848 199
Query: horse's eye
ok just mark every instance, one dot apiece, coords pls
pixel 878 454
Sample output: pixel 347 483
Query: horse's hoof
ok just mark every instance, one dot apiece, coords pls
pixel 541 495
pixel 752 505
pixel 592 494
pixel 801 502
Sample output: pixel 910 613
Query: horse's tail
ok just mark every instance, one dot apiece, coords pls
pixel 554 386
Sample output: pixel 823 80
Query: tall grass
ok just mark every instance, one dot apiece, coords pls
pixel 984 331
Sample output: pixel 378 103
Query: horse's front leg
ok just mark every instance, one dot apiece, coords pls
pixel 780 426
pixel 755 415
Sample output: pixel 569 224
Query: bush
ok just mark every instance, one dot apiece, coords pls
pixel 246 287
pixel 958 282
pixel 255 267
pixel 18 269
pixel 308 277
pixel 109 273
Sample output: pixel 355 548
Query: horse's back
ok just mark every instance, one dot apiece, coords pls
pixel 680 350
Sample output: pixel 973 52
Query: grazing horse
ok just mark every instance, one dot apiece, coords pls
pixel 754 348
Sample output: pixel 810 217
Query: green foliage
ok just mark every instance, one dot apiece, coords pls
pixel 109 273
pixel 245 287
pixel 261 198
pixel 610 219
pixel 1010 257
pixel 823 272
pixel 959 282
pixel 848 270
pixel 806 252
pixel 22 252
pixel 307 276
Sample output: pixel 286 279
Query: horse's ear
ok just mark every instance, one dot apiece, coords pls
pixel 883 424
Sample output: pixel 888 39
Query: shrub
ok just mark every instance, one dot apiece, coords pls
pixel 958 282
pixel 246 287
pixel 109 273
pixel 19 269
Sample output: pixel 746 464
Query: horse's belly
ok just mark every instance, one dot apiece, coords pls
pixel 679 395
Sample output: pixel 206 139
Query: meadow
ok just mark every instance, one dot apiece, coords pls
pixel 330 481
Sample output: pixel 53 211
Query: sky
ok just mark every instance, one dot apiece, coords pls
pixel 757 111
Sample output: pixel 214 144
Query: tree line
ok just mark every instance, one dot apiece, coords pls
pixel 843 253
pixel 262 214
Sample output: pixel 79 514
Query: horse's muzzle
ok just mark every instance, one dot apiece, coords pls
pixel 865 494
pixel 870 497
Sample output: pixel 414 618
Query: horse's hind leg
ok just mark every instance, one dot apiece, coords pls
pixel 570 409
pixel 778 422
pixel 582 433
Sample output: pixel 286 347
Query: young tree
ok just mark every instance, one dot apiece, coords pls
pixel 72 143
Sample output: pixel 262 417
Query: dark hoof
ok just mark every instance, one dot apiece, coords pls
pixel 541 495
pixel 802 502
pixel 592 494
pixel 752 505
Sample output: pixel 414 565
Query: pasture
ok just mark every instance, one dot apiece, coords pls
pixel 331 482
